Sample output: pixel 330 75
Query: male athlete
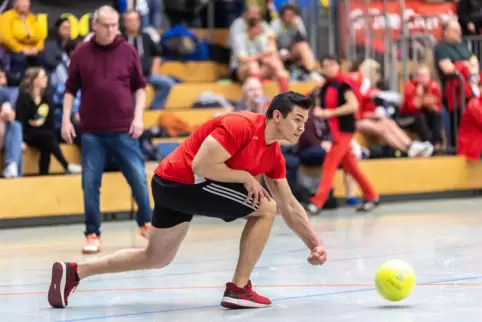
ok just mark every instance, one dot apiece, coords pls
pixel 339 102
pixel 213 174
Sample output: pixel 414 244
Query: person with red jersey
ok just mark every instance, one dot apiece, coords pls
pixel 470 131
pixel 339 102
pixel 422 105
pixel 213 173
pixel 374 123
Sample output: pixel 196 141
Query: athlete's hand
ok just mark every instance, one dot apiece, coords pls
pixel 255 191
pixel 317 256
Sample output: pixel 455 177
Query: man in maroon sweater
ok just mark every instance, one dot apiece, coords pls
pixel 107 71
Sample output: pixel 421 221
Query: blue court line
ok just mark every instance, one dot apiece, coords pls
pixel 273 300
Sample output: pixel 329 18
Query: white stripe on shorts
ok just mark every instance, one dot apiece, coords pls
pixel 228 195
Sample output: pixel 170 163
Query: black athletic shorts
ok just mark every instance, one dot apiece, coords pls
pixel 176 202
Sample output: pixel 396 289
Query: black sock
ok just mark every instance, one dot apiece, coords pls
pixel 77 279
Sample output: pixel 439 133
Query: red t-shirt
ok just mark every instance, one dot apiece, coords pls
pixel 242 135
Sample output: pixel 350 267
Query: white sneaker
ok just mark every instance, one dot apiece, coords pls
pixel 10 171
pixel 416 149
pixel 314 77
pixel 428 151
pixel 74 169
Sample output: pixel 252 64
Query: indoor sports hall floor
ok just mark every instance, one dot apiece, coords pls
pixel 442 240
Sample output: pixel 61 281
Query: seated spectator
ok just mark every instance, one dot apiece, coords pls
pixel 57 81
pixel 22 36
pixel 56 58
pixel 421 109
pixel 253 98
pixel 291 39
pixel 35 112
pixel 470 131
pixel 240 25
pixel 255 55
pixel 150 55
pixel 10 139
pixel 447 52
pixel 374 123
pixel 10 91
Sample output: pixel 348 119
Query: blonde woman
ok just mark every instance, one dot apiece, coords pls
pixel 35 112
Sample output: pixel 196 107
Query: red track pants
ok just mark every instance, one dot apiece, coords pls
pixel 340 153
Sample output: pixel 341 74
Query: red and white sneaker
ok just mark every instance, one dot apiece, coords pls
pixel 63 283
pixel 243 298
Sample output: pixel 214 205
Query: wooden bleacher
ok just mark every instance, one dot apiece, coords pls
pixel 183 96
pixel 62 195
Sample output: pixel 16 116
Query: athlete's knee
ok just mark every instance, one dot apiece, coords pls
pixel 267 208
pixel 158 259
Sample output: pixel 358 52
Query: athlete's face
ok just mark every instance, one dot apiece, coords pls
pixel 330 68
pixel 292 126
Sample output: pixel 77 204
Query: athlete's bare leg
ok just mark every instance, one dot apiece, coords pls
pixel 253 239
pixel 162 247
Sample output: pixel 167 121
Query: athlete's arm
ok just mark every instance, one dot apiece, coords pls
pixel 210 162
pixel 350 107
pixel 292 212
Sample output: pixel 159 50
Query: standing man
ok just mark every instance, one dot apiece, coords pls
pixel 339 103
pixel 150 55
pixel 107 71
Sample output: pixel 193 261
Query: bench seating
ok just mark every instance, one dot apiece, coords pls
pixel 62 195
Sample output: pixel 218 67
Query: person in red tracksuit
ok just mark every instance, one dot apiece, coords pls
pixel 470 131
pixel 339 102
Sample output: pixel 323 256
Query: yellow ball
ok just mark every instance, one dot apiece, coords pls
pixel 395 280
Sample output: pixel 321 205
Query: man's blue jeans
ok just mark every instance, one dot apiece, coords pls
pixel 162 86
pixel 12 149
pixel 127 153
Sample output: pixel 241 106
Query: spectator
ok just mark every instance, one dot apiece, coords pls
pixel 56 58
pixel 421 109
pixel 10 139
pixel 150 13
pixel 22 36
pixel 470 131
pixel 150 55
pixel 254 55
pixel 107 70
pixel 253 98
pixel 450 50
pixel 446 53
pixel 10 91
pixel 469 13
pixel 35 112
pixel 58 84
pixel 372 122
pixel 239 27
pixel 292 41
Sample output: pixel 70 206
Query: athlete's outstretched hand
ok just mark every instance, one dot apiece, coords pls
pixel 317 256
pixel 255 191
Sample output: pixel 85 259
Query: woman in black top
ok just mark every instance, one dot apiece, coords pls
pixel 34 110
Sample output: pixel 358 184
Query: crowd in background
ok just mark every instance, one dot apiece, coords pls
pixel 33 73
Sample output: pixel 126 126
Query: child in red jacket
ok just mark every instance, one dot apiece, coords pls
pixel 421 109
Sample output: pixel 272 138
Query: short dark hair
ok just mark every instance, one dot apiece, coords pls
pixel 289 7
pixel 330 58
pixel 285 103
